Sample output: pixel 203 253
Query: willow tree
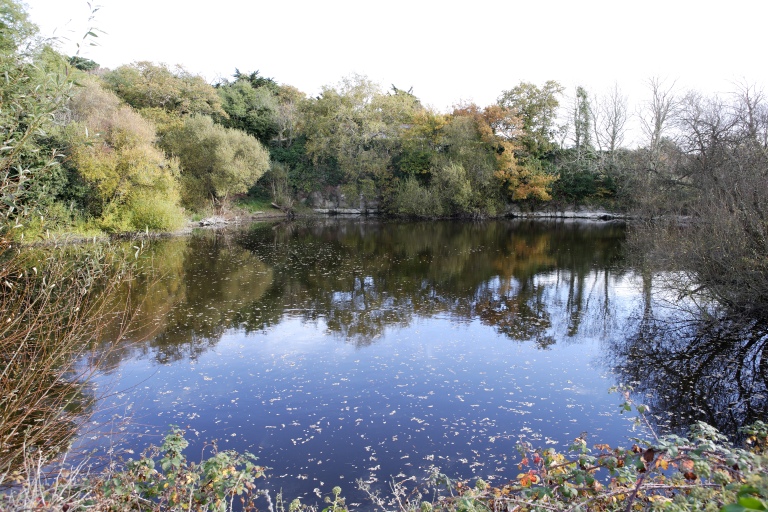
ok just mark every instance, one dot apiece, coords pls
pixel 216 162
pixel 36 83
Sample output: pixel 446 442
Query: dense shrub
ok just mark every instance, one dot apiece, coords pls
pixel 412 199
pixel 131 183
pixel 148 85
pixel 217 162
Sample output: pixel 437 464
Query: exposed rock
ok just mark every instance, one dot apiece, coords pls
pixel 214 221
pixel 344 211
pixel 570 213
pixel 334 200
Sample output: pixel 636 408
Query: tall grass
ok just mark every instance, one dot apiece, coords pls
pixel 53 307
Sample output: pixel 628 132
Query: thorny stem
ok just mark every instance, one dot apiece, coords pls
pixel 633 495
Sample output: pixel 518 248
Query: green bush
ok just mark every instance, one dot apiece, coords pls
pixel 130 184
pixel 454 188
pixel 164 480
pixel 154 212
pixel 216 162
pixel 414 200
pixel 161 479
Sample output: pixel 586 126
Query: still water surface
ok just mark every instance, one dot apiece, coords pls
pixel 337 350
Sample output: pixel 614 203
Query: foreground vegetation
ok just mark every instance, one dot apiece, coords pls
pixel 699 472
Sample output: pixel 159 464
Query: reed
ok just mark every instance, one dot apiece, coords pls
pixel 54 305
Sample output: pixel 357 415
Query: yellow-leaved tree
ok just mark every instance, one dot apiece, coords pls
pixel 132 184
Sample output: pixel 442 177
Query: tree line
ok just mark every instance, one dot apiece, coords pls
pixel 140 146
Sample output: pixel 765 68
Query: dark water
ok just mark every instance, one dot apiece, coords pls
pixel 344 350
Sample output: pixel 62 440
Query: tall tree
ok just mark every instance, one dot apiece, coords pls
pixel 536 107
pixel 351 128
pixel 655 118
pixel 287 116
pixel 752 110
pixel 253 110
pixel 252 103
pixel 582 123
pixel 421 145
pixel 256 80
pixel 610 113
pixel 490 151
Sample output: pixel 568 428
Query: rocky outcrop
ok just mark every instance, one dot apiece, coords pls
pixel 214 221
pixel 333 201
pixel 344 211
pixel 577 212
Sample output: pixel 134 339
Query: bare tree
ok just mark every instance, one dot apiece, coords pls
pixel 752 112
pixel 655 118
pixel 704 126
pixel 610 115
pixel 719 178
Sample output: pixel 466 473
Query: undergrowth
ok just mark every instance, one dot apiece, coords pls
pixel 701 471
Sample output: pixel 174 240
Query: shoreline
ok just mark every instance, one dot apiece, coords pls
pixel 570 213
pixel 239 219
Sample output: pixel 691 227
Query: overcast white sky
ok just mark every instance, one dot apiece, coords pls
pixel 447 51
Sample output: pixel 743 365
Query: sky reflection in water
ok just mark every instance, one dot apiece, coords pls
pixel 350 349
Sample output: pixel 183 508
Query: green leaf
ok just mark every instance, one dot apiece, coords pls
pixel 752 503
pixel 733 507
pixel 746 490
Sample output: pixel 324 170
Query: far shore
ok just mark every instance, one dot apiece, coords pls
pixel 238 217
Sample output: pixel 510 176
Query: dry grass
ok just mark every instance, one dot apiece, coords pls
pixel 52 308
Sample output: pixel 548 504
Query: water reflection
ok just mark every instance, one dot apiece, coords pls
pixel 338 350
pixel 362 277
pixel 186 295
pixel 538 282
pixel 693 366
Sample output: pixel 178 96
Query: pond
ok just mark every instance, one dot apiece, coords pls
pixel 337 350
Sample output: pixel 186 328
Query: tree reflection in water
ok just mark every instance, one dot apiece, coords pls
pixel 360 278
pixel 448 340
pixel 363 277
pixel 696 366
